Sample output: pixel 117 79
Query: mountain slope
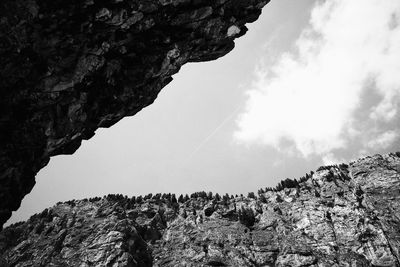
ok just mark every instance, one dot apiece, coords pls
pixel 346 215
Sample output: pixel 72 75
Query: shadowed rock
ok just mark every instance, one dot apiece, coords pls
pixel 70 67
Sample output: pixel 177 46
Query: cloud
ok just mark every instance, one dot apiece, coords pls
pixel 330 159
pixel 383 140
pixel 307 100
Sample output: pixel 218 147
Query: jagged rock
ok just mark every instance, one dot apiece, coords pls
pixel 70 67
pixel 352 222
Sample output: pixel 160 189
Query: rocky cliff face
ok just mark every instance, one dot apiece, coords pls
pixel 346 215
pixel 70 67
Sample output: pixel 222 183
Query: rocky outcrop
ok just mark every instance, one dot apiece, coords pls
pixel 70 67
pixel 345 215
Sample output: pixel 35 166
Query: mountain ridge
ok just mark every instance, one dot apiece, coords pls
pixel 339 215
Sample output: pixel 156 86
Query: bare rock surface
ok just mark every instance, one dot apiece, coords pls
pixel 69 67
pixel 342 215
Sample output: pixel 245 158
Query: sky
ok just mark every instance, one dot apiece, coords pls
pixel 311 83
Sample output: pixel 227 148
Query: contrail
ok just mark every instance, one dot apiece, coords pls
pixel 213 132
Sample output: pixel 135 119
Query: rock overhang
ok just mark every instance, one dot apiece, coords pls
pixel 70 67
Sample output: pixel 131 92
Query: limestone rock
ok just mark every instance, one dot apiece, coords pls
pixel 352 221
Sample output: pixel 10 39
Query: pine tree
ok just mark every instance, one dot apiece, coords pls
pixel 225 198
pixel 251 195
pixel 173 199
pixel 263 199
pixel 186 198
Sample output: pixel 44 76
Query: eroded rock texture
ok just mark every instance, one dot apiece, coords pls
pixel 338 216
pixel 70 67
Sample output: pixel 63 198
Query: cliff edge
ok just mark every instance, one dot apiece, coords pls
pixel 70 67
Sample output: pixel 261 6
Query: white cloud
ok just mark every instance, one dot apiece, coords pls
pixel 308 98
pixel 330 159
pixel 383 140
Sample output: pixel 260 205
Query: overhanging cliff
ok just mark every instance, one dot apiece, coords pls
pixel 70 67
